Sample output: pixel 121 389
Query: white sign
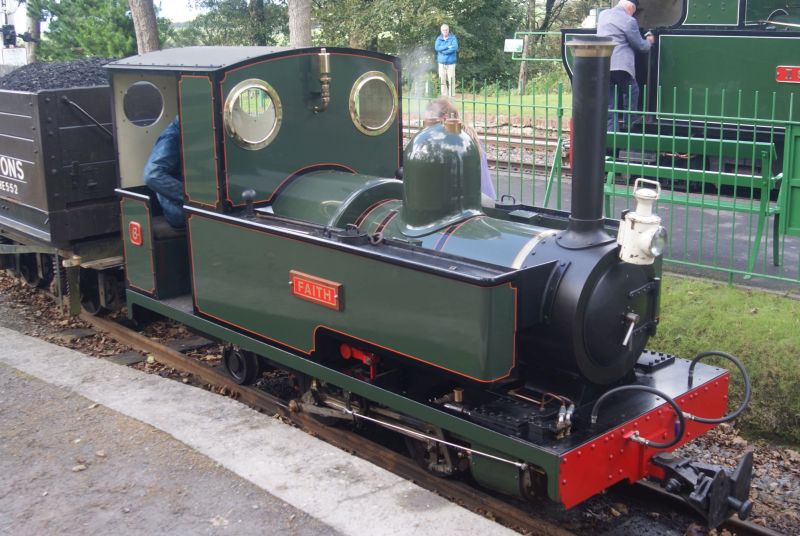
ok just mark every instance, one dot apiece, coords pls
pixel 13 56
pixel 513 45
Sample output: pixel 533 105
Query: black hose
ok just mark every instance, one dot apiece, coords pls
pixel 678 412
pixel 747 387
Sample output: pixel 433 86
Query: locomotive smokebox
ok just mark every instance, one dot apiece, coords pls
pixel 590 80
pixel 604 310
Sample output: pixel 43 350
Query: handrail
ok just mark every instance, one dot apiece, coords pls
pixel 555 172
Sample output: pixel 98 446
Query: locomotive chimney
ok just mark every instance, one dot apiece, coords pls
pixel 590 79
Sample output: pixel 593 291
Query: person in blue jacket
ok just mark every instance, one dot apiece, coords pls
pixel 446 55
pixel 163 173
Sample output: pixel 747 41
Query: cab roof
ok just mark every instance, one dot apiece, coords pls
pixel 194 58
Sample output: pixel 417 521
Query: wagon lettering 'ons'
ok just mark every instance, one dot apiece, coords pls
pixel 310 288
pixel 11 168
pixel 788 74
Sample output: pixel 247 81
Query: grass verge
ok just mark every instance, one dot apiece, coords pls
pixel 760 328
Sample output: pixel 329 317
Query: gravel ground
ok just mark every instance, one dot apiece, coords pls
pixel 57 75
pixel 776 479
pixel 776 474
pixel 68 466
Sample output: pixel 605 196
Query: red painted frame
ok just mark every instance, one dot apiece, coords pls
pixel 612 457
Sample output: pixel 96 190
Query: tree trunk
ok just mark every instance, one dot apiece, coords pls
pixel 552 9
pixel 299 23
pixel 255 9
pixel 34 23
pixel 144 23
pixel 523 68
pixel 530 19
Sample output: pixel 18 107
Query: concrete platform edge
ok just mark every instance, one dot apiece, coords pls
pixel 345 492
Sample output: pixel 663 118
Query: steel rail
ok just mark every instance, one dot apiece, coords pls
pixel 400 465
pixel 734 525
pixel 526 167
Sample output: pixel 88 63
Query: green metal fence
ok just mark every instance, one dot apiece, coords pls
pixel 730 184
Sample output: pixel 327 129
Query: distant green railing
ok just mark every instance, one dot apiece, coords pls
pixel 730 184
pixel 727 193
pixel 522 135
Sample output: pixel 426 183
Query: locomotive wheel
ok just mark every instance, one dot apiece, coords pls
pixel 243 366
pixel 304 386
pixel 436 459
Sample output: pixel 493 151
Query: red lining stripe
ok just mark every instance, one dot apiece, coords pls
pixel 370 209
pixel 389 217
pixel 459 226
pixel 125 247
pixel 214 144
pixel 322 326
pixel 323 166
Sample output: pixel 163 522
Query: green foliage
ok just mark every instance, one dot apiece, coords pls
pixel 408 28
pixel 88 28
pixel 762 329
pixel 547 81
pixel 82 28
pixel 229 22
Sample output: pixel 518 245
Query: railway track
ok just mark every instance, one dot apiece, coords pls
pixel 503 140
pixel 518 518
pixel 526 167
pixel 402 466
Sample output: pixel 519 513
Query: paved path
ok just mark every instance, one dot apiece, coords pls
pixel 180 460
pixel 71 466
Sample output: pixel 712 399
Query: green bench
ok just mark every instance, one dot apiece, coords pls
pixel 757 152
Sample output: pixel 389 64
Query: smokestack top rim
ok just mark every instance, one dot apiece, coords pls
pixel 591 46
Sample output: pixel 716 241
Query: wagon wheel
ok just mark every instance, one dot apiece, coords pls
pixel 90 293
pixel 28 271
pixel 48 271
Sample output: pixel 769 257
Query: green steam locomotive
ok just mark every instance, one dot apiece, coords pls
pixel 506 342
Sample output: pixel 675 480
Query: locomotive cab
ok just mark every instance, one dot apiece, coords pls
pixel 145 103
pixel 242 154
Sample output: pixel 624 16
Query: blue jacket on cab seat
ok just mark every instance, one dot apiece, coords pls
pixel 446 49
pixel 163 174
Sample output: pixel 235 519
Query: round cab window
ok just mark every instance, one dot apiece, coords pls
pixel 143 104
pixel 252 114
pixel 373 103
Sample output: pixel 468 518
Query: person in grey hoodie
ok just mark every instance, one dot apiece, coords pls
pixel 618 24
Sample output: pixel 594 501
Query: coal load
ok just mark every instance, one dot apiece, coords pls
pixel 57 75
